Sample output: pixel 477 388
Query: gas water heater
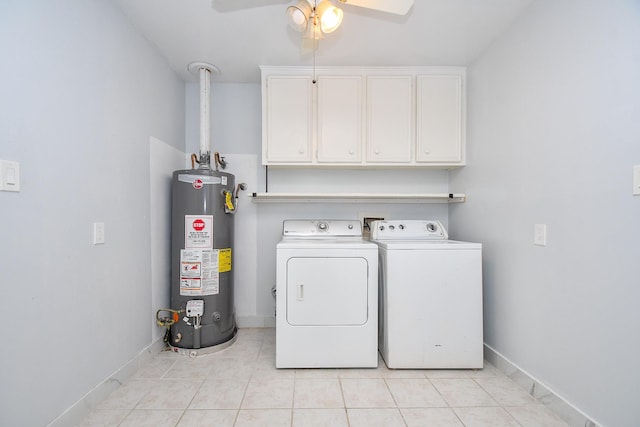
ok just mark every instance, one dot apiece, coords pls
pixel 201 258
pixel 204 201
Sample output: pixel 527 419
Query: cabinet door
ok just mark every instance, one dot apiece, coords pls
pixel 340 105
pixel 288 119
pixel 439 119
pixel 389 119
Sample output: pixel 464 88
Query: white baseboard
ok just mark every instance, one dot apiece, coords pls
pixel 79 410
pixel 565 410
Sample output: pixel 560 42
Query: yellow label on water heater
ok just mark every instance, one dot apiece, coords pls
pixel 224 260
pixel 228 200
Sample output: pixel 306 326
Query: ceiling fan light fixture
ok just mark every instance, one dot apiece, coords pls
pixel 299 14
pixel 312 32
pixel 329 16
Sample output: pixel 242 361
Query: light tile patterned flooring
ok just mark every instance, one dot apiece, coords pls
pixel 240 386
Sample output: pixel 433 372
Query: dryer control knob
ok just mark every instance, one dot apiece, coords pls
pixel 432 227
pixel 323 226
pixel 401 226
pixel 381 227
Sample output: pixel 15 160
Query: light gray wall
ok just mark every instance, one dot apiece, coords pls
pixel 81 94
pixel 236 132
pixel 553 132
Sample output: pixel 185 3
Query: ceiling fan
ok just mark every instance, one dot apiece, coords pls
pixel 314 18
pixel 398 7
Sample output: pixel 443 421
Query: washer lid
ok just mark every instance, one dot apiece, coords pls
pixel 321 229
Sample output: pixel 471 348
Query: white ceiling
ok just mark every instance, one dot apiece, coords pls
pixel 239 35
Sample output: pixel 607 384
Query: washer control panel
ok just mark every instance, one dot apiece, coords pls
pixel 408 230
pixel 322 228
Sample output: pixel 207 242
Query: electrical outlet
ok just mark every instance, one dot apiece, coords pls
pixel 540 234
pixel 367 218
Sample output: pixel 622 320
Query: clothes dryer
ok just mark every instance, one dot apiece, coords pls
pixel 326 296
pixel 430 297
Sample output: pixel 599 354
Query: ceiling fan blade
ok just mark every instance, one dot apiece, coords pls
pixel 398 7
pixel 231 5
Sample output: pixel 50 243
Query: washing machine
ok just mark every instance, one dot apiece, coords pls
pixel 326 296
pixel 430 297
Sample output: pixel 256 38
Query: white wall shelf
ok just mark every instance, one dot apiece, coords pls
pixel 357 197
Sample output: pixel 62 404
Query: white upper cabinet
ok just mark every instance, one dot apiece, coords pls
pixel 363 116
pixel 389 119
pixel 340 105
pixel 287 120
pixel 439 117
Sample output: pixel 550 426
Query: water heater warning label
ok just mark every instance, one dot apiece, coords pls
pixel 199 273
pixel 198 231
pixel 224 260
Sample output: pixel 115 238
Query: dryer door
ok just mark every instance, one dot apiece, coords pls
pixel 326 291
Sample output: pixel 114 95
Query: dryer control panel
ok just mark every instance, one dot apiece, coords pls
pixel 322 228
pixel 408 230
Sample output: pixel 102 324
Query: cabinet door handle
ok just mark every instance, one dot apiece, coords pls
pixel 377 151
pixel 301 151
pixel 351 151
pixel 300 292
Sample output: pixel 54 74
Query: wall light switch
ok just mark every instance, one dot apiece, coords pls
pixel 98 233
pixel 636 180
pixel 540 234
pixel 9 175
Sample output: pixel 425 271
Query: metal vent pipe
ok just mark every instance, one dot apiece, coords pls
pixel 204 71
